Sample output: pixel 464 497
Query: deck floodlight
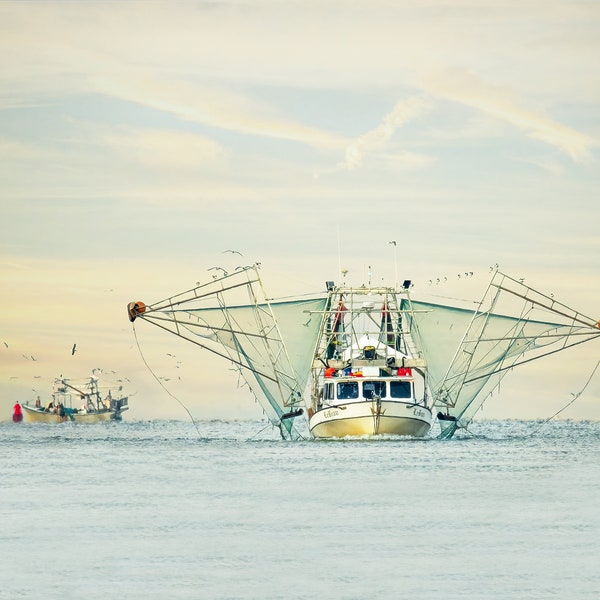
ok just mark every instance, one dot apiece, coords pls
pixel 330 285
pixel 369 352
pixel 406 284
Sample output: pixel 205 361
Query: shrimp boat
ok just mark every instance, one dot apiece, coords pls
pixel 368 361
pixel 84 402
pixel 367 376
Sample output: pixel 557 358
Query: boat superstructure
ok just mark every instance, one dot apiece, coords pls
pixel 368 377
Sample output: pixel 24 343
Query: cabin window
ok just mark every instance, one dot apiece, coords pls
pixel 400 389
pixel 328 391
pixel 373 388
pixel 347 391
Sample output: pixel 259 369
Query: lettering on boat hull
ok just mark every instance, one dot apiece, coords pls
pixel 369 418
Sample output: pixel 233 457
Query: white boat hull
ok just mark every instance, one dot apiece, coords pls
pixel 36 415
pixel 371 418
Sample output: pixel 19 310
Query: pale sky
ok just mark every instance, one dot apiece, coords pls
pixel 140 140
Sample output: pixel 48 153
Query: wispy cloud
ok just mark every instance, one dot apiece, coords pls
pixel 377 138
pixel 471 90
pixel 16 151
pixel 189 74
pixel 230 109
pixel 160 149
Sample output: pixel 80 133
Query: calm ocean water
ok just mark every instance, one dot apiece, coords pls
pixel 153 510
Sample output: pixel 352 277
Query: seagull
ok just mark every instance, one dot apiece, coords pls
pixel 73 349
pixel 232 252
pixel 6 344
pixel 218 269
pixel 392 242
